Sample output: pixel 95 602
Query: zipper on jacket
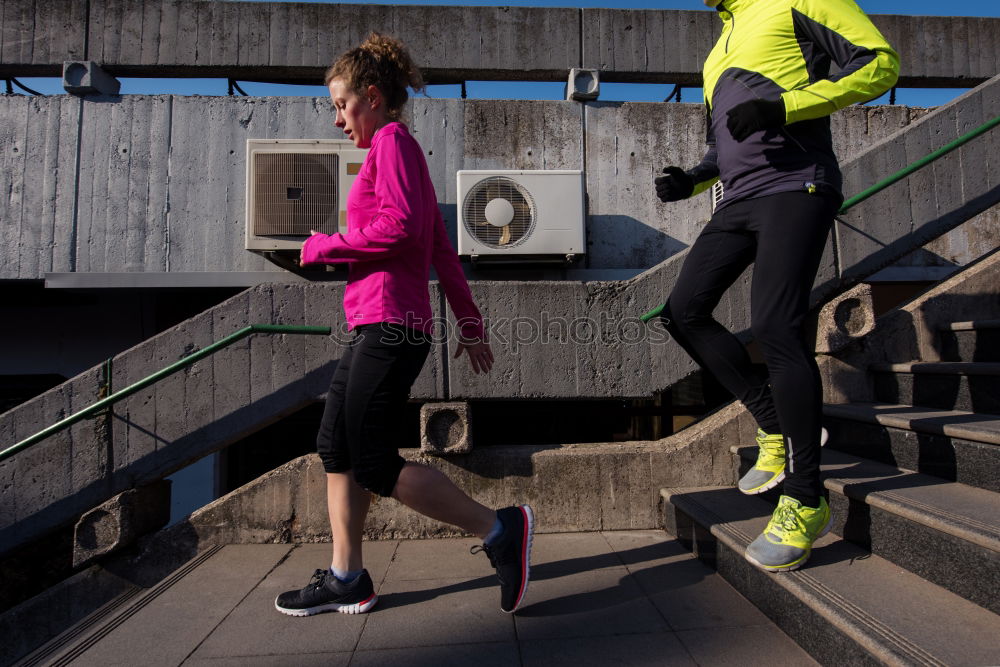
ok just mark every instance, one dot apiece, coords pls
pixel 732 25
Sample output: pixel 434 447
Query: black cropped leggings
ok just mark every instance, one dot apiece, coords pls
pixel 783 235
pixel 364 406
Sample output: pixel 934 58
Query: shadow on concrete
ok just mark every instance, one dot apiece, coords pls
pixel 499 462
pixel 667 576
pixel 854 271
pixel 229 428
pixel 624 242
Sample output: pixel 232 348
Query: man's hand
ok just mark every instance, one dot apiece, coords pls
pixel 480 355
pixel 676 185
pixel 753 116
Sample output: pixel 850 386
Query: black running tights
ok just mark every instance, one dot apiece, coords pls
pixel 366 402
pixel 783 235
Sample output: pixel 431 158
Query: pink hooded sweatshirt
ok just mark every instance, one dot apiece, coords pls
pixel 395 233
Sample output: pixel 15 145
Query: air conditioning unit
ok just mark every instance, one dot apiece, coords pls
pixel 295 185
pixel 521 215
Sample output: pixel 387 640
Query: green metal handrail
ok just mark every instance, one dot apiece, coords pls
pixel 882 185
pixel 159 375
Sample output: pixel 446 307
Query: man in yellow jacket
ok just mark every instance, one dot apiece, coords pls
pixel 778 71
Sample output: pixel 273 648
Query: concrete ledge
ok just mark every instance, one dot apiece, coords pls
pixel 571 487
pixel 951 423
pixel 941 368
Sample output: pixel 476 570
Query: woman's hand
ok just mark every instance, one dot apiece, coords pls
pixel 312 232
pixel 480 354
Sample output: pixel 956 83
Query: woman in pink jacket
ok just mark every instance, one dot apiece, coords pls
pixel 395 234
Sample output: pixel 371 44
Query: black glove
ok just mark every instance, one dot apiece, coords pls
pixel 748 117
pixel 676 185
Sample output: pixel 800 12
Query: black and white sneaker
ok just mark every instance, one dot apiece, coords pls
pixel 325 592
pixel 510 554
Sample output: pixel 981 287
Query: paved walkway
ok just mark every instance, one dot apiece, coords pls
pixel 629 598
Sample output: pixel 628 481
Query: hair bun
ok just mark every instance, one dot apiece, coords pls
pixel 381 61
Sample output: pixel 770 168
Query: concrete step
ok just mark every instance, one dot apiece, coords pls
pixel 971 341
pixel 846 606
pixel 949 385
pixel 955 446
pixel 972 426
pixel 945 532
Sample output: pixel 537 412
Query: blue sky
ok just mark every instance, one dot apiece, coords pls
pixel 554 90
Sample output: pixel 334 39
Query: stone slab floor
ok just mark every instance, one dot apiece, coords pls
pixel 628 598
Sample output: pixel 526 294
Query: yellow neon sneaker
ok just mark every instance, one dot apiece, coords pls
pixel 787 541
pixel 769 470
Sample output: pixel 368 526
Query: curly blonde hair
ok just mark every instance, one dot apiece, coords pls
pixel 383 62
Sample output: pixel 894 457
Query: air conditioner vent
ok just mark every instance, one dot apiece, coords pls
pixel 296 192
pixel 498 212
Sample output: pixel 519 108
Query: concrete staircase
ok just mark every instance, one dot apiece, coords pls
pixel 910 573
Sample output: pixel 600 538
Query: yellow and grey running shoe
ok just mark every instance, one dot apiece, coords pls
pixel 769 469
pixel 787 541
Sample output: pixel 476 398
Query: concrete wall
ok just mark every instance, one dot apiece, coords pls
pixel 297 41
pixel 155 184
pixel 161 179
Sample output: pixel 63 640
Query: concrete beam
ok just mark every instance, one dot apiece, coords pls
pixel 295 42
pixel 36 36
pixel 600 486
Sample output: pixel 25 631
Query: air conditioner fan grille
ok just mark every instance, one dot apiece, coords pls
pixel 294 193
pixel 488 233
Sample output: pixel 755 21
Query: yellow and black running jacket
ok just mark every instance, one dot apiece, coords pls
pixel 818 56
